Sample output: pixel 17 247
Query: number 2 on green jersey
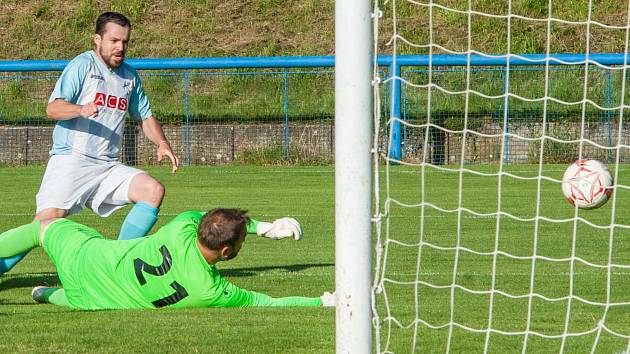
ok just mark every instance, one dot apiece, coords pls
pixel 142 267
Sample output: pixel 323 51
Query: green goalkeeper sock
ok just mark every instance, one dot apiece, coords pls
pixel 20 239
pixel 15 243
pixel 50 295
pixel 58 297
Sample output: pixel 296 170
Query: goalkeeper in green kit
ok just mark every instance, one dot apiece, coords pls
pixel 175 267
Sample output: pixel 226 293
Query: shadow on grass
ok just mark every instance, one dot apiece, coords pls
pixel 246 272
pixel 29 280
pixel 34 279
pixel 27 309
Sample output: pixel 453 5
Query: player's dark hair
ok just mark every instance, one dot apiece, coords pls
pixel 222 226
pixel 108 17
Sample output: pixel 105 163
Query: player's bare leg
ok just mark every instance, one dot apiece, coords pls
pixel 147 194
pixel 50 213
pixel 147 189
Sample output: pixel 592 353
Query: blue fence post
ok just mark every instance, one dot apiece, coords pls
pixel 187 152
pixel 395 148
pixel 286 114
pixel 506 116
pixel 404 131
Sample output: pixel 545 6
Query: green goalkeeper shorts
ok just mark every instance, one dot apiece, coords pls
pixel 63 241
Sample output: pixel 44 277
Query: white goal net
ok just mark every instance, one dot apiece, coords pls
pixel 476 248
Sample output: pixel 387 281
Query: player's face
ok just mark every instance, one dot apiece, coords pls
pixel 112 45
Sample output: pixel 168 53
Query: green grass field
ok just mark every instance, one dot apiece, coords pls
pixel 459 248
pixel 307 267
pixel 279 268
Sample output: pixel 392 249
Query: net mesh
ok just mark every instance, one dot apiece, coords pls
pixel 476 249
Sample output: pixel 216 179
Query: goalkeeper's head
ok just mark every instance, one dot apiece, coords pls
pixel 222 232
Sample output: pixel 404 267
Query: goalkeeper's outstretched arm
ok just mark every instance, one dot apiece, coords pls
pixel 230 295
pixel 278 229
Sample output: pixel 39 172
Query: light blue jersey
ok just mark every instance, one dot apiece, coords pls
pixel 115 92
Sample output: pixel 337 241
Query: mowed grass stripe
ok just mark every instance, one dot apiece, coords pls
pixel 307 267
pixel 279 268
pixel 456 255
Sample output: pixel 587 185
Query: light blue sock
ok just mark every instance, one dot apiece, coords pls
pixel 139 221
pixel 7 263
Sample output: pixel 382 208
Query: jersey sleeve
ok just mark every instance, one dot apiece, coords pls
pixel 252 226
pixel 139 107
pixel 230 295
pixel 260 299
pixel 70 83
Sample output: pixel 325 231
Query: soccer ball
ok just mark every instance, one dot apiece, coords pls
pixel 587 183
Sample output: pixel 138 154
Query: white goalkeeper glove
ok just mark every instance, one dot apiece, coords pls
pixel 328 299
pixel 281 228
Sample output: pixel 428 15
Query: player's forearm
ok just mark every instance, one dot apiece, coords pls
pixel 62 110
pixel 153 130
pixel 263 300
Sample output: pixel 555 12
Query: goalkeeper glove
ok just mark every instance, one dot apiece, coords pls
pixel 281 228
pixel 328 299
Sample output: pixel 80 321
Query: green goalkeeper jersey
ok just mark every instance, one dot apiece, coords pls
pixel 164 269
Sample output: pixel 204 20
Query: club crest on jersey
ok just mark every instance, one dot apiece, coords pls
pixel 110 101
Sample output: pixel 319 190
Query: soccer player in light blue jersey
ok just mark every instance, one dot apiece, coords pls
pixel 89 103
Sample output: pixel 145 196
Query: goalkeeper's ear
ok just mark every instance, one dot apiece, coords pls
pixel 225 251
pixel 228 252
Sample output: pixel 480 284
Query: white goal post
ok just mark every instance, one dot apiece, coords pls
pixel 353 182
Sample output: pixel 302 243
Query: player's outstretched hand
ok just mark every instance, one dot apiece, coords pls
pixel 328 299
pixel 164 149
pixel 281 228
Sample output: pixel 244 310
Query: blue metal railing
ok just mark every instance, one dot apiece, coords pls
pixel 393 63
pixel 329 61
